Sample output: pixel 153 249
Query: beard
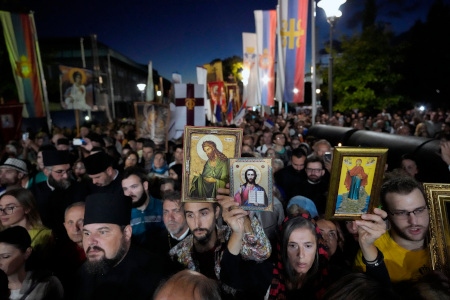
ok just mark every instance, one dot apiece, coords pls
pixel 104 265
pixel 403 232
pixel 63 184
pixel 211 155
pixel 202 240
pixel 140 201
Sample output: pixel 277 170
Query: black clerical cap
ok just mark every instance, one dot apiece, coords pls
pixel 97 163
pixel 55 157
pixel 107 208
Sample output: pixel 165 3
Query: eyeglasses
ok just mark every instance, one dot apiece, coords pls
pixel 404 214
pixel 8 210
pixel 62 172
pixel 313 170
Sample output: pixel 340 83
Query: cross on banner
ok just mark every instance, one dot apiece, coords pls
pixel 190 102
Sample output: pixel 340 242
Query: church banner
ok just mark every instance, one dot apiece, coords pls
pixel 77 89
pixel 265 24
pixel 189 108
pixel 20 35
pixel 214 72
pixel 291 31
pixel 251 93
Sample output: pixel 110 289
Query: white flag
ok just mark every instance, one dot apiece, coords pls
pixel 176 78
pixel 150 93
pixel 251 92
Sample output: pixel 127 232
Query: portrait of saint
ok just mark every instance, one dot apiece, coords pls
pixel 214 175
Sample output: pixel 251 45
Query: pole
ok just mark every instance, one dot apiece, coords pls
pixel 330 73
pixel 111 88
pixel 313 61
pixel 83 59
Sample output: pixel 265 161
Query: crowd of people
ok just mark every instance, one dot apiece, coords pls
pixel 105 218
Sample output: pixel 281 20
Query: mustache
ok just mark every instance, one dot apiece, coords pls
pixel 90 248
pixel 200 229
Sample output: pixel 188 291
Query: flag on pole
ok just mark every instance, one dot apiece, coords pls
pixel 230 111
pixel 291 31
pixel 250 72
pixel 265 24
pixel 201 79
pixel 23 50
pixel 218 113
pixel 176 78
pixel 240 114
pixel 150 91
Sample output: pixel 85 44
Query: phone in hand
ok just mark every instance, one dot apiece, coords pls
pixel 327 156
pixel 25 136
pixel 78 142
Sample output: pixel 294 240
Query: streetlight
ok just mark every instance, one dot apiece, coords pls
pixel 331 8
pixel 141 88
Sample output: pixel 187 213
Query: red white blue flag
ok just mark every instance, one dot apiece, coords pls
pixel 291 46
pixel 266 23
pixel 20 35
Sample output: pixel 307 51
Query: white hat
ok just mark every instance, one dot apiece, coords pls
pixel 16 164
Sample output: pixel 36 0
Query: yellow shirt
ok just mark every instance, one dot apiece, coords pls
pixel 401 263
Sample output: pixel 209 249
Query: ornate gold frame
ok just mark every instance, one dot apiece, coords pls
pixel 230 140
pixel 340 206
pixel 438 197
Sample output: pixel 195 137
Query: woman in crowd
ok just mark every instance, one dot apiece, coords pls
pixel 15 250
pixel 302 269
pixel 18 208
pixel 131 159
pixel 159 166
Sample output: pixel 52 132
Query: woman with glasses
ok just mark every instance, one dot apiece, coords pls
pixel 18 208
pixel 24 282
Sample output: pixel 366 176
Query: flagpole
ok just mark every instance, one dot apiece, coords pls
pixel 313 61
pixel 41 70
pixel 111 88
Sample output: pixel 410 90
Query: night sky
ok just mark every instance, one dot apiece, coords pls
pixel 178 35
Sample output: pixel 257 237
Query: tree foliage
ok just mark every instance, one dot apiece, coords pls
pixel 363 76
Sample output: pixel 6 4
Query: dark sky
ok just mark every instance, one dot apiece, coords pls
pixel 178 35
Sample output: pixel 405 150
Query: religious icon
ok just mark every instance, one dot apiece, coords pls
pixel 251 183
pixel 206 167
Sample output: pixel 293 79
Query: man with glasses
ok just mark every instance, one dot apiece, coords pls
pixel 405 251
pixel 314 182
pixel 57 192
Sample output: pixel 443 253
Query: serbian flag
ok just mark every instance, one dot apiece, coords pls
pixel 20 35
pixel 240 114
pixel 291 30
pixel 218 114
pixel 250 69
pixel 266 23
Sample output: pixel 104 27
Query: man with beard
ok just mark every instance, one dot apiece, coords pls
pixel 214 176
pixel 115 268
pixel 287 178
pixel 249 187
pixel 57 192
pixel 314 182
pixel 147 212
pixel 11 173
pixel 406 253
pixel 223 252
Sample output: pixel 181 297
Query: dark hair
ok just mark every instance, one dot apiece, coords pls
pixel 17 236
pixel 400 185
pixel 148 143
pixel 356 286
pixel 75 74
pixel 172 196
pixel 26 199
pixel 288 228
pixel 298 152
pixel 315 158
pixel 135 170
